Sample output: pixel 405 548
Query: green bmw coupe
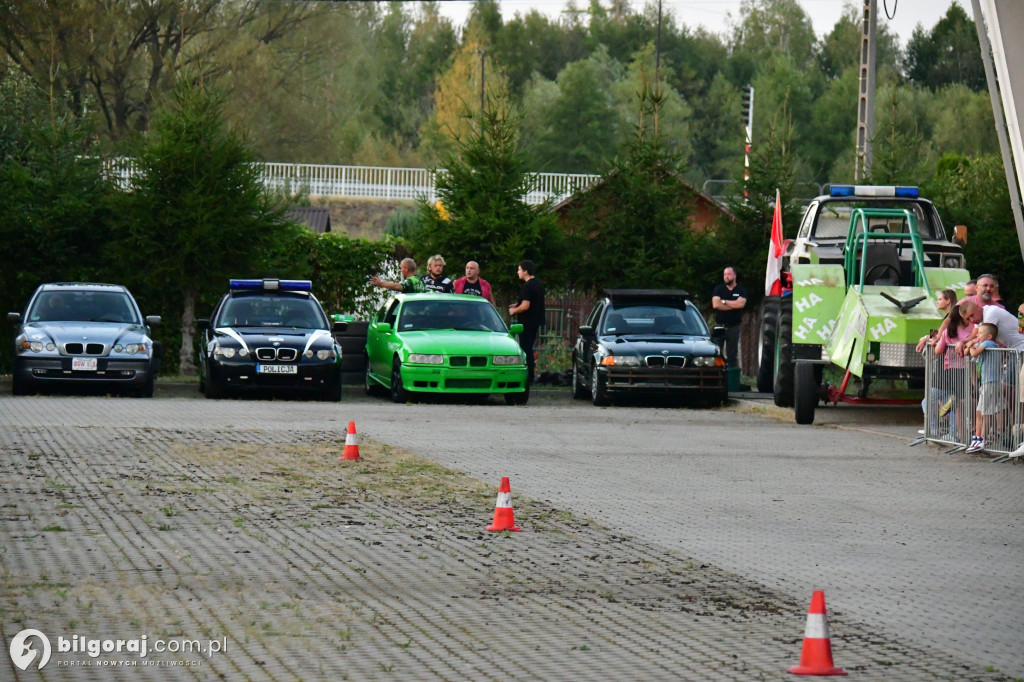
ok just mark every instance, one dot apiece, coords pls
pixel 444 343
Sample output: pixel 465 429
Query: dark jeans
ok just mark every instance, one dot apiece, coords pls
pixel 732 346
pixel 526 341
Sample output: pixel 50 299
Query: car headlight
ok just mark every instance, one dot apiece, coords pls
pixel 131 348
pixel 621 360
pixel 707 361
pixel 952 262
pixel 227 352
pixel 323 354
pixel 22 343
pixel 508 359
pixel 426 359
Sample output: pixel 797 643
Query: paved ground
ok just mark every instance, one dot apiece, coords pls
pixel 657 544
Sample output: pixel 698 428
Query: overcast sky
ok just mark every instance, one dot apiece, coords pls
pixel 714 15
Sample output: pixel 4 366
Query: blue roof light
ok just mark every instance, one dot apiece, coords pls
pixel 873 191
pixel 270 285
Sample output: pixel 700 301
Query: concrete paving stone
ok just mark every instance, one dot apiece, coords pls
pixel 367 586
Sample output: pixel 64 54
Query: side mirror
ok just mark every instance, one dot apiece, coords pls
pixel 153 320
pixel 339 326
pixel 14 318
pixel 203 323
pixel 382 327
pixel 515 329
pixel 586 331
pixel 960 235
pixel 718 334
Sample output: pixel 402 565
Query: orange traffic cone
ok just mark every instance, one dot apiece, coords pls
pixel 816 657
pixel 504 519
pixel 351 444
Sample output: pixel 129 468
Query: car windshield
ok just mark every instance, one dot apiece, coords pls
pixel 83 306
pixel 654 320
pixel 271 311
pixel 453 314
pixel 834 219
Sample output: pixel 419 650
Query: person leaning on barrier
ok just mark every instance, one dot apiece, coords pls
pixel 953 376
pixel 410 283
pixel 991 391
pixel 1005 323
pixel 945 300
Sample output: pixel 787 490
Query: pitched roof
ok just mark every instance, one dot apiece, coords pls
pixel 315 218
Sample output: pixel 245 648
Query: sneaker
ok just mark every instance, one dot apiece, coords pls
pixel 946 407
pixel 976 444
pixel 1019 452
pixel 920 432
pixel 948 437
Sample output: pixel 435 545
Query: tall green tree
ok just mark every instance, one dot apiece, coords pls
pixel 633 229
pixel 485 218
pixel 949 53
pixel 53 215
pixel 197 213
pixel 112 59
pixel 573 127
pixel 972 191
pixel 743 242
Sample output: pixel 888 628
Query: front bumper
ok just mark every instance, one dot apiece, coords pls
pixel 309 375
pixel 443 379
pixel 699 382
pixel 55 370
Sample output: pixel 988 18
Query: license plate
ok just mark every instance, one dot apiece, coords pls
pixel 277 369
pixel 83 364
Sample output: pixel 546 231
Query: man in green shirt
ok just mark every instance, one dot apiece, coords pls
pixel 410 284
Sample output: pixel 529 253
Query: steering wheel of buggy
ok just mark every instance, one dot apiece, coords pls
pixel 883 269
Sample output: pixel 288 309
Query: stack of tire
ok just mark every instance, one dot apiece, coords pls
pixel 775 365
pixel 353 352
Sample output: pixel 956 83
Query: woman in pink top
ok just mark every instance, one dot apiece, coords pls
pixel 952 381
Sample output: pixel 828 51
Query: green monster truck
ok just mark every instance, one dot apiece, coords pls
pixel 858 292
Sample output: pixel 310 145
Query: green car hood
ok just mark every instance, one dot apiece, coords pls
pixel 452 342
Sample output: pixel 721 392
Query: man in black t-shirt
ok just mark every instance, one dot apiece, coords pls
pixel 728 300
pixel 435 280
pixel 530 310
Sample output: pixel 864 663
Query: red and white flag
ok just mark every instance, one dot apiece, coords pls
pixel 777 247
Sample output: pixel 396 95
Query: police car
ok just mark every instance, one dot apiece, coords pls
pixel 269 335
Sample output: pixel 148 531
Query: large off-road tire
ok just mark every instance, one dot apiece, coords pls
pixel 598 394
pixel 579 390
pixel 783 386
pixel 766 344
pixel 805 393
pixel 398 392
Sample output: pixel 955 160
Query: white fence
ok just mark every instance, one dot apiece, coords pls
pixel 952 392
pixel 372 182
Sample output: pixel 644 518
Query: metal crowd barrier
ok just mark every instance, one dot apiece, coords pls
pixel 952 388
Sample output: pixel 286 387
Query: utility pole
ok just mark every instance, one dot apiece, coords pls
pixel 748 128
pixel 657 49
pixel 866 91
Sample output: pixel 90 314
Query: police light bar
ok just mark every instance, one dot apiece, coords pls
pixel 873 191
pixel 270 285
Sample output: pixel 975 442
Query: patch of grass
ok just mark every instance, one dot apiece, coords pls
pixel 54 529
